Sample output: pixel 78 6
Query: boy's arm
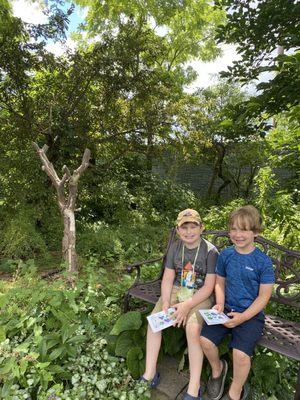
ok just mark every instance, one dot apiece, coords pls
pixel 265 292
pixel 183 308
pixel 166 287
pixel 220 293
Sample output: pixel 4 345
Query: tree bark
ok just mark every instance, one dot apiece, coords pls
pixel 66 203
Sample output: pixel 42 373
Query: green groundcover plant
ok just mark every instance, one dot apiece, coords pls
pixel 53 346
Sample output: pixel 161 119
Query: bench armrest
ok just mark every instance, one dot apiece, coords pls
pixel 131 267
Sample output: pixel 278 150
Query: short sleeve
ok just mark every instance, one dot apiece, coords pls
pixel 211 261
pixel 267 275
pixel 220 268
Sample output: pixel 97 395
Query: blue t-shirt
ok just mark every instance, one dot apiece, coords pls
pixel 243 275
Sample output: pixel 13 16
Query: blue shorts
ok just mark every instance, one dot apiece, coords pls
pixel 243 337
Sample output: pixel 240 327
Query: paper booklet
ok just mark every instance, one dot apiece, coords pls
pixel 161 320
pixel 213 317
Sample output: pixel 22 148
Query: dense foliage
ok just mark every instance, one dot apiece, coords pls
pixel 121 93
pixel 53 341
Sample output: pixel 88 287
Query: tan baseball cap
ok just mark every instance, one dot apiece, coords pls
pixel 188 215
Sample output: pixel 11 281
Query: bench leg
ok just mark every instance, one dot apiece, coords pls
pixel 126 305
pixel 297 393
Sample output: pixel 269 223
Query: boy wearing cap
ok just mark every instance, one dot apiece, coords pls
pixel 245 279
pixel 187 284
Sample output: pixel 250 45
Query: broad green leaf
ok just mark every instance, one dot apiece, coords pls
pixel 111 344
pixel 129 321
pixel 124 343
pixel 133 359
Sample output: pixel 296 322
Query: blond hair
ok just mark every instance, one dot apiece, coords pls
pixel 246 218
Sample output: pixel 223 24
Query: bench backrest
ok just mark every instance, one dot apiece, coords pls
pixel 286 264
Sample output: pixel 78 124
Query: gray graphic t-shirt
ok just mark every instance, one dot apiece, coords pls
pixel 204 264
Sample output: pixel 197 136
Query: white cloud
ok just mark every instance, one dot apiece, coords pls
pixel 31 12
pixel 59 49
pixel 207 71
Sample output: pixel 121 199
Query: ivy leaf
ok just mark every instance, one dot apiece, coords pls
pixel 126 322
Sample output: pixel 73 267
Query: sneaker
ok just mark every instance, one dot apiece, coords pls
pixel 215 386
pixel 154 381
pixel 190 397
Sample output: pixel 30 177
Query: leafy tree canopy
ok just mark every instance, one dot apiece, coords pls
pixel 258 29
pixel 188 26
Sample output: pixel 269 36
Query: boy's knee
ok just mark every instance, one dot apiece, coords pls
pixel 206 344
pixel 240 357
pixel 192 332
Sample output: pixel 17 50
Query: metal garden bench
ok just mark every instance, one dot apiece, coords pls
pixel 280 335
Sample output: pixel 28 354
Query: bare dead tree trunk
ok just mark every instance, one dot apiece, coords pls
pixel 66 203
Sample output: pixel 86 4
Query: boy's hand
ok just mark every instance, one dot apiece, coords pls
pixel 219 307
pixel 165 306
pixel 182 310
pixel 235 319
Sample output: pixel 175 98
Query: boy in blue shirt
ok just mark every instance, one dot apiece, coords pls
pixel 244 284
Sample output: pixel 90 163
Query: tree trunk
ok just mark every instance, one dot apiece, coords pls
pixel 69 240
pixel 66 203
pixel 221 155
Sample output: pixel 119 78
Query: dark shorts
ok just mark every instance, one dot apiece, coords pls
pixel 243 337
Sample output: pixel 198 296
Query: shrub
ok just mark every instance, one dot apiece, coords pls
pixel 20 238
pixel 51 343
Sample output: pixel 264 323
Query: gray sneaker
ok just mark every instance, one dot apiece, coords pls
pixel 215 386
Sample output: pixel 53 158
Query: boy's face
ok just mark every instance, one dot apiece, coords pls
pixel 242 238
pixel 189 233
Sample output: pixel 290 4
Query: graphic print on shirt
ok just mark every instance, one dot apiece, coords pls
pixel 188 276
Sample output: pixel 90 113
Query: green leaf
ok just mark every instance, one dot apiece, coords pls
pixel 7 367
pixel 37 330
pixel 56 353
pixel 111 344
pixel 133 361
pixel 77 339
pixel 23 347
pixel 4 299
pixel 42 365
pixel 2 334
pixel 23 366
pixel 67 331
pixel 71 351
pixel 174 340
pixel 6 389
pixel 126 322
pixel 124 343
